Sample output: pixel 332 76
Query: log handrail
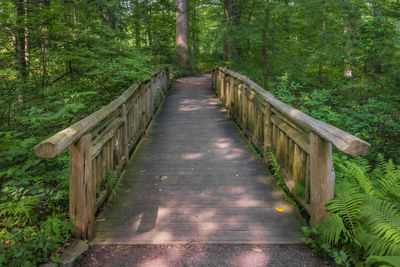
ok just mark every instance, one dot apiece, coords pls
pixel 301 144
pixel 57 143
pixel 102 142
pixel 345 142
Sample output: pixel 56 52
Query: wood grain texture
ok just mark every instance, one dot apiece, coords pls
pixel 322 176
pixel 56 144
pixel 194 179
pixel 345 142
pixel 81 201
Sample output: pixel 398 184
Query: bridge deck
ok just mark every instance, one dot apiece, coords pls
pixel 194 179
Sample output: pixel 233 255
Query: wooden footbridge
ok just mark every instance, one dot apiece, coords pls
pixel 189 174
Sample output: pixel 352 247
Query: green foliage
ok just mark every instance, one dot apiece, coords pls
pixel 112 182
pixel 365 219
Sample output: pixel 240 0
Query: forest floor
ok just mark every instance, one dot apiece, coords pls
pixel 199 255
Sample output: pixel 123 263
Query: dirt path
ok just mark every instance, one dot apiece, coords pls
pixel 199 255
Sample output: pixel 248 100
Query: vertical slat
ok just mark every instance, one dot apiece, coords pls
pixel 290 154
pixel 125 137
pixel 322 176
pixel 94 176
pixel 297 164
pixel 274 137
pixel 267 132
pixel 280 148
pixel 103 165
pixel 81 204
pixel 307 179
pixel 232 96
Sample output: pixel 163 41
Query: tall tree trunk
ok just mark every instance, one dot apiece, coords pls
pixel 137 34
pixel 147 18
pixel 264 44
pixel 20 46
pixel 347 46
pixel 182 34
pixel 322 43
pixel 228 7
pixel 232 9
pixel 248 25
pixel 45 44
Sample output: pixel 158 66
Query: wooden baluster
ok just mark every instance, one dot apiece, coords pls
pixel 125 138
pixel 231 104
pixel 307 179
pixel 322 176
pixel 81 202
pixel 290 154
pixel 267 132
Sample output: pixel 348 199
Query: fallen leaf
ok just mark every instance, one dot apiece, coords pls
pixel 257 250
pixel 278 209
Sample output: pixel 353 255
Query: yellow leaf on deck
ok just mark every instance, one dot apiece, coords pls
pixel 278 209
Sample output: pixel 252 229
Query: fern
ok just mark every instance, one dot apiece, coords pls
pixel 365 219
pixel 333 229
pixel 374 245
pixel 346 204
pixel 382 219
pixel 389 184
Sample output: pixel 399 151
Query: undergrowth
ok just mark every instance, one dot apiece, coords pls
pixel 364 225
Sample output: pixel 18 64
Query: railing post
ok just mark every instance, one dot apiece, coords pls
pixel 322 176
pixel 81 202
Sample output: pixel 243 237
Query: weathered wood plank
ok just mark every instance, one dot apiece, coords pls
pixel 56 144
pixel 81 205
pixel 299 138
pixel 322 176
pixel 345 142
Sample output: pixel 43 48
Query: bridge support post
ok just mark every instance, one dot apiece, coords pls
pixel 322 176
pixel 81 200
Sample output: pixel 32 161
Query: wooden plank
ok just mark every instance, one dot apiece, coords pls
pixel 267 133
pixel 345 142
pixel 56 144
pixel 297 161
pixel 103 139
pixel 290 160
pixel 307 179
pixel 299 138
pixel 81 201
pixel 125 138
pixel 322 176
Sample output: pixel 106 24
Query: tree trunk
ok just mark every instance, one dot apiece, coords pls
pixel 20 45
pixel 228 6
pixel 264 44
pixel 322 44
pixel 248 25
pixel 182 34
pixel 137 34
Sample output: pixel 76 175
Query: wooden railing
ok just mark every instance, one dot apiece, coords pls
pixel 301 144
pixel 102 142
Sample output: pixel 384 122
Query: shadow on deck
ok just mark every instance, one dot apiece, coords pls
pixel 194 179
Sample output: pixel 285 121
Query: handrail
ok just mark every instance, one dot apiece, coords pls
pixel 101 143
pixel 345 142
pixel 301 144
pixel 57 143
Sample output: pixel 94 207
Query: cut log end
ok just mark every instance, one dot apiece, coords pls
pixel 45 150
pixel 357 148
